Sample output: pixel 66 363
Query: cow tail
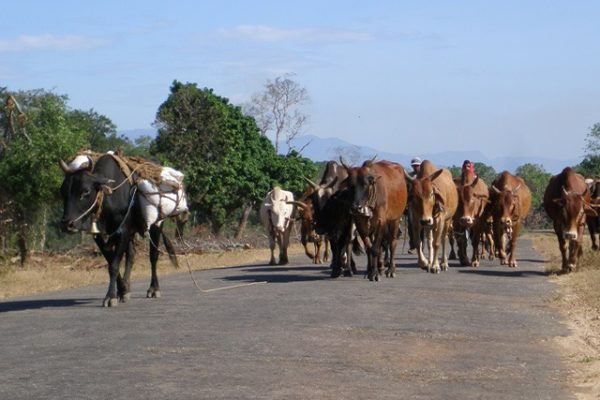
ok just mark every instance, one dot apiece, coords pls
pixel 170 250
pixel 357 249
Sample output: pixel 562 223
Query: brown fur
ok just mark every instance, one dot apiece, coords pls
pixel 473 196
pixel 380 196
pixel 433 205
pixel 510 203
pixel 567 203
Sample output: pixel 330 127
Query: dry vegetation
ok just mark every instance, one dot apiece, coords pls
pixel 51 272
pixel 579 301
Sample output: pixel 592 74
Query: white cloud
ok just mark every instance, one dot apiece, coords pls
pixel 49 42
pixel 262 33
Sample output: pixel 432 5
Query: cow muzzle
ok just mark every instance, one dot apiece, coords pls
pixel 363 211
pixel 467 222
pixel 68 226
pixel 427 221
pixel 570 235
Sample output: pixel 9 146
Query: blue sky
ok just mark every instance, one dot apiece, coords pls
pixel 502 77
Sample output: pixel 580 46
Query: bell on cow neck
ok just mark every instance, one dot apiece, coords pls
pixel 94 228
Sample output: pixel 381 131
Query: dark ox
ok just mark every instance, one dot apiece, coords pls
pixel 89 192
pixel 567 203
pixel 469 218
pixel 379 196
pixel 310 207
pixel 594 222
pixel 433 204
pixel 510 203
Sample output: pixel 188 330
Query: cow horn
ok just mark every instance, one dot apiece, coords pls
pixel 408 177
pixel 63 165
pixel 343 163
pixel 332 183
pixel 495 189
pixel 311 183
pixel 564 191
pixel 516 189
pixel 298 203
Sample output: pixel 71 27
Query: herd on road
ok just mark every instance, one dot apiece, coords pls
pixel 351 210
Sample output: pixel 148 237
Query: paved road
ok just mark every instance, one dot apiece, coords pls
pixel 465 334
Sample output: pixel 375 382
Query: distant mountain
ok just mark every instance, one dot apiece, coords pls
pixel 321 149
pixel 133 134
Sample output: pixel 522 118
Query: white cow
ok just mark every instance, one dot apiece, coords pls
pixel 276 216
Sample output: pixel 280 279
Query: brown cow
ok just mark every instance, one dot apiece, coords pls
pixel 567 202
pixel 593 223
pixel 473 197
pixel 510 203
pixel 379 195
pixel 433 204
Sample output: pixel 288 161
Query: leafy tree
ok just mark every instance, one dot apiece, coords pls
pixel 536 179
pixel 277 110
pixel 228 164
pixel 590 166
pixel 29 172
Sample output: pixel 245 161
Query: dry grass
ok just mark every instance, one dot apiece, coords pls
pixel 46 273
pixel 579 301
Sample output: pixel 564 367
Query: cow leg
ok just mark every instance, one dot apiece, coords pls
pixel 418 236
pixel 501 240
pixel 443 236
pixel 512 261
pixel 592 223
pixel 376 249
pixel 111 299
pixel 272 247
pixel 283 245
pixel 337 250
pixel 306 249
pixel 367 242
pixel 430 255
pixel 318 251
pixel 475 239
pixel 123 284
pixel 451 239
pixel 154 289
pixel 326 251
pixel 391 271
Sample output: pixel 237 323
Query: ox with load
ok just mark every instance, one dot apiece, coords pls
pixel 111 197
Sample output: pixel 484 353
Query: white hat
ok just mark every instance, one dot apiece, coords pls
pixel 416 161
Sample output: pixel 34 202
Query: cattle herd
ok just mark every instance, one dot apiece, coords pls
pixel 350 211
pixel 369 201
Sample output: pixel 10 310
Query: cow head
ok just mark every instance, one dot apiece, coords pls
pixel 573 213
pixel 307 220
pixel 425 202
pixel 470 203
pixel 505 206
pixel 279 209
pixel 79 192
pixel 362 182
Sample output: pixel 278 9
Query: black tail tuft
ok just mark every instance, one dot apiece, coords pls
pixel 170 250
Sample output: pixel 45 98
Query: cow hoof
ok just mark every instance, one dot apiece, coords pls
pixel 125 298
pixel 283 262
pixel 272 262
pixel 110 302
pixel 491 258
pixel 571 267
pixel 594 247
pixel 153 293
pixel 377 278
pixel 475 264
pixel 452 256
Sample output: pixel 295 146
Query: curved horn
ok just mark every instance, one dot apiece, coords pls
pixel 408 177
pixel 344 164
pixel 566 193
pixel 495 189
pixel 297 203
pixel 311 183
pixel 63 165
pixel 332 183
pixel 516 189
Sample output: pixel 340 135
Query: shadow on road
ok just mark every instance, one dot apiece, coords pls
pixel 39 304
pixel 516 273
pixel 279 278
pixel 285 269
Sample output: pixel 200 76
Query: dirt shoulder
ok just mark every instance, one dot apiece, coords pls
pixel 579 302
pixel 52 272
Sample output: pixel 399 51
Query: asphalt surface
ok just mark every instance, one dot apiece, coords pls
pixel 467 333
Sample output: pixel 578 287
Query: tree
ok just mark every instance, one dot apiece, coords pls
pixel 29 173
pixel 228 163
pixel 484 171
pixel 590 165
pixel 277 110
pixel 536 179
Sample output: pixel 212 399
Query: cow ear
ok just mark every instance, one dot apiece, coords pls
pixel 435 175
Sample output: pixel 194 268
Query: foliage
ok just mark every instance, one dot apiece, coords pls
pixel 589 166
pixel 536 179
pixel 227 162
pixel 592 141
pixel 484 171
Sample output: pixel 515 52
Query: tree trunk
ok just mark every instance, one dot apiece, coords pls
pixel 244 221
pixel 21 236
pixel 43 229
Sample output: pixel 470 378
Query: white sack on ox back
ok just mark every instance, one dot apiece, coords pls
pixel 162 201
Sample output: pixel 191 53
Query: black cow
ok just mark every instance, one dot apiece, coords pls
pixel 105 193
